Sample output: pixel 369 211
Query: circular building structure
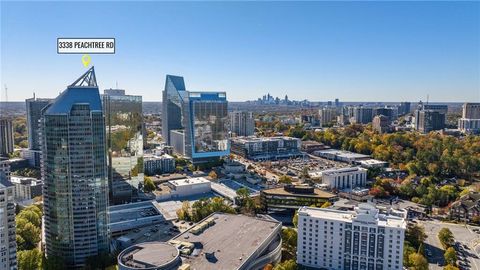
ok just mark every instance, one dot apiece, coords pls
pixel 149 256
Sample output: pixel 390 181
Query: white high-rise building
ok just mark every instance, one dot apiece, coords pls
pixel 242 123
pixel 327 115
pixel 359 239
pixel 8 244
pixel 470 121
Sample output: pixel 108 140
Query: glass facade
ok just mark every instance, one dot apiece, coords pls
pixel 34 112
pixel 207 127
pixel 202 116
pixel 124 121
pixel 75 177
pixel 172 106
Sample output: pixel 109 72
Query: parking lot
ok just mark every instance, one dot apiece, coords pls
pixel 468 247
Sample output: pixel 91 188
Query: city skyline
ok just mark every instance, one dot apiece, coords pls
pixel 370 51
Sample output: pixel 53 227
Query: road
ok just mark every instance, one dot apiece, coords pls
pixel 463 234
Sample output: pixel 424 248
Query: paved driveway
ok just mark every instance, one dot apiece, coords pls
pixel 464 234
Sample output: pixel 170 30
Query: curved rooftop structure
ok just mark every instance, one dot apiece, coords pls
pixel 149 256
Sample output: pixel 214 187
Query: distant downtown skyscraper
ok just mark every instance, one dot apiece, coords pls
pixel 124 122
pixel 75 174
pixel 34 108
pixel 195 123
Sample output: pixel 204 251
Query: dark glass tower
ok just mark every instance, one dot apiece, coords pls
pixel 173 96
pixel 124 122
pixel 75 174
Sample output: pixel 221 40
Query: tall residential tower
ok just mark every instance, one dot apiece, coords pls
pixel 75 174
pixel 34 113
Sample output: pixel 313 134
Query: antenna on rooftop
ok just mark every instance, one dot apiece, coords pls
pixel 428 97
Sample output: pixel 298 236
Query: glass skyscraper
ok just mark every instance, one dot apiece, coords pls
pixel 75 174
pixel 34 112
pixel 124 121
pixel 172 103
pixel 206 125
pixel 199 121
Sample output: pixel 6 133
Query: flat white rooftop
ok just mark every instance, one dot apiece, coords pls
pixel 342 170
pixel 371 162
pixel 363 213
pixel 189 181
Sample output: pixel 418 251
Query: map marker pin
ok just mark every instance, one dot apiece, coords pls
pixel 86 60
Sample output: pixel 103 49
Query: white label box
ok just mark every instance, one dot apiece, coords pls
pixel 86 45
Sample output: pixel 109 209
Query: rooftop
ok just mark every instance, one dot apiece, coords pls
pixel 342 170
pixel 364 213
pixel 316 193
pixel 189 181
pixel 262 139
pixel 154 157
pixel 342 153
pixel 83 91
pixel 228 242
pixel 371 162
pixel 149 255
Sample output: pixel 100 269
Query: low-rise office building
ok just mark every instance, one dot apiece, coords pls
pixel 26 188
pixel 312 146
pixel 345 178
pixel 220 241
pixel 372 163
pixel 264 148
pixel 189 187
pixel 154 164
pixel 359 239
pixel 340 155
pixel 290 197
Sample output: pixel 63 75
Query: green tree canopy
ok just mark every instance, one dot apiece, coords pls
pixel 450 256
pixel 446 237
pixel 149 185
pixel 418 262
pixel 29 259
pixel 286 265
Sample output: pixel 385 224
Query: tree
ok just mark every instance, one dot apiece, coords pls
pixel 31 216
pixel 418 262
pixel 415 235
pixel 326 204
pixel 289 240
pixel 450 256
pixel 29 234
pixel 285 179
pixel 446 237
pixel 213 175
pixel 286 265
pixel 295 219
pixel 247 205
pixel 184 212
pixel 29 259
pixel 149 185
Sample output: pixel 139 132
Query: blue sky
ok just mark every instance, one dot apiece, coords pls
pixel 355 51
